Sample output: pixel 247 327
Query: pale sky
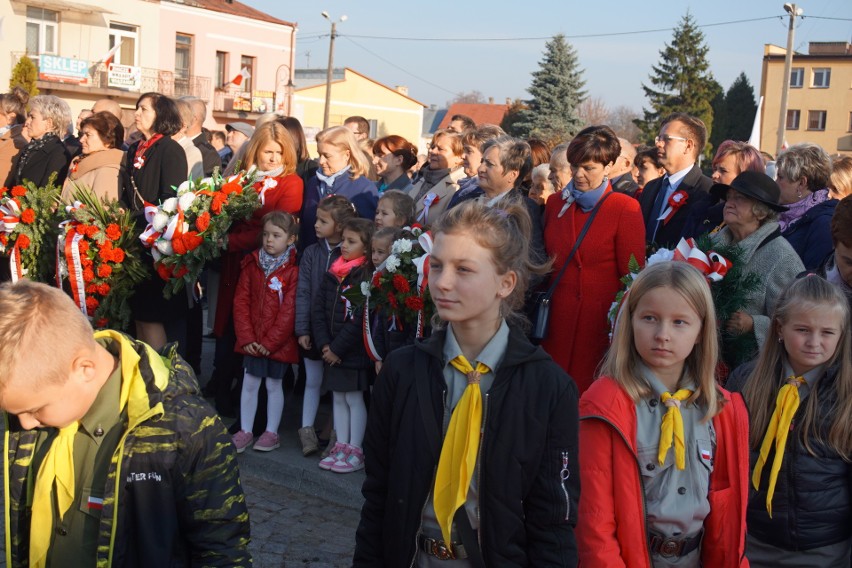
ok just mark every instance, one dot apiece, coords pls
pixel 615 66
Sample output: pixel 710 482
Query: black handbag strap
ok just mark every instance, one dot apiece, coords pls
pixel 579 240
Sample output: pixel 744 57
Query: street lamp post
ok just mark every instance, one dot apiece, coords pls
pixel 330 67
pixel 288 88
pixel 794 11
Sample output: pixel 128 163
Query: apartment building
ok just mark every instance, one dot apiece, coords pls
pixel 176 47
pixel 819 104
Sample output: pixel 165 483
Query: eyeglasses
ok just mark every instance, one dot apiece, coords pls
pixel 667 138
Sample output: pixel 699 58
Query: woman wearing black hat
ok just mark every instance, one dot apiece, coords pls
pixel 750 213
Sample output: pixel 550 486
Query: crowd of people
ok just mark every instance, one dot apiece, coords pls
pixel 476 435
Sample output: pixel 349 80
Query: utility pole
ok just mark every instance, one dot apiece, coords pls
pixel 330 68
pixel 793 11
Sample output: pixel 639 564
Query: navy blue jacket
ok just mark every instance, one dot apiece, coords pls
pixel 810 236
pixel 360 191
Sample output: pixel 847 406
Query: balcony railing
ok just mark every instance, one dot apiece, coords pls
pixel 158 80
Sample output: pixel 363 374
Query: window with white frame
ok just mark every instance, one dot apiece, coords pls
pixel 816 119
pixel 42 31
pixel 247 62
pixel 797 77
pixel 128 36
pixel 822 77
pixel 793 117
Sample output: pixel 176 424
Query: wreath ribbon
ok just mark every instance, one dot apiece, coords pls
pixel 713 265
pixel 428 201
pixel 422 264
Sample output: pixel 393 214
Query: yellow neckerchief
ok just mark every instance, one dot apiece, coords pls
pixel 461 444
pixel 671 428
pixel 786 404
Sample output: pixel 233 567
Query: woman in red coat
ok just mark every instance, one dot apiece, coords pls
pixel 271 152
pixel 578 335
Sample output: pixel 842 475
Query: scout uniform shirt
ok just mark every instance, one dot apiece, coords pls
pixel 676 501
pixel 491 355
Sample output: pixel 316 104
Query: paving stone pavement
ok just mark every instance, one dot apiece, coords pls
pixel 295 529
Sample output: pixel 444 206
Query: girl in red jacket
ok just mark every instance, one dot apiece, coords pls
pixel 663 449
pixel 264 321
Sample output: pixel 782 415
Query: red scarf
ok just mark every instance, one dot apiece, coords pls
pixel 341 268
pixel 143 147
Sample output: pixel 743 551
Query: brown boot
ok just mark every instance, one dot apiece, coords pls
pixel 332 441
pixel 308 438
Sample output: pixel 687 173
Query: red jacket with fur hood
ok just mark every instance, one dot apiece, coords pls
pixel 264 314
pixel 612 529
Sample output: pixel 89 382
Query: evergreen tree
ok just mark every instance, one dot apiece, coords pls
pixel 720 117
pixel 24 75
pixel 681 82
pixel 740 108
pixel 512 116
pixel 557 91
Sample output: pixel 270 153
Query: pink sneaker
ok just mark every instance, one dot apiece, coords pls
pixel 267 442
pixel 352 461
pixel 337 453
pixel 241 440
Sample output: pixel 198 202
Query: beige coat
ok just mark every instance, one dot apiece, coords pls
pixel 11 144
pixel 443 190
pixel 100 172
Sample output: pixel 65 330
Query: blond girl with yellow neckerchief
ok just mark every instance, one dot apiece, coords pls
pixel 663 450
pixel 799 395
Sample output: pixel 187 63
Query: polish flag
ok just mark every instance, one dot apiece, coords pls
pixel 242 76
pixel 110 55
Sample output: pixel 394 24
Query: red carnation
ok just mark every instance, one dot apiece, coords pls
pixel 19 191
pixel 165 271
pixel 87 262
pixel 231 187
pixel 103 289
pixel 92 304
pixel 202 222
pixel 191 240
pixel 401 284
pixel 178 245
pixel 377 279
pixel 181 272
pixel 118 255
pixel 113 232
pixel 219 200
pixel 414 303
pixel 105 253
pixel 4 240
pixel 104 271
pixel 392 301
pixel 88 275
pixel 102 323
pixel 3 190
pixel 106 245
pixel 23 241
pixel 84 246
pixel 92 289
pixel 28 216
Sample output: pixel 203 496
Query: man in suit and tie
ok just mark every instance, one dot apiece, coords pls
pixel 671 204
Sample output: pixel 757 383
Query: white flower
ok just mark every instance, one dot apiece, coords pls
pixel 170 205
pixel 401 245
pixel 165 247
pixel 160 221
pixel 662 255
pixel 392 263
pixel 365 289
pixel 186 200
pixel 185 227
pixel 184 187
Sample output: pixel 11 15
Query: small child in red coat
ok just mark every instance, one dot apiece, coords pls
pixel 264 321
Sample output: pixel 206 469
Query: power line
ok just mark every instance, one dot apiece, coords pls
pixel 394 65
pixel 827 18
pixel 579 36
